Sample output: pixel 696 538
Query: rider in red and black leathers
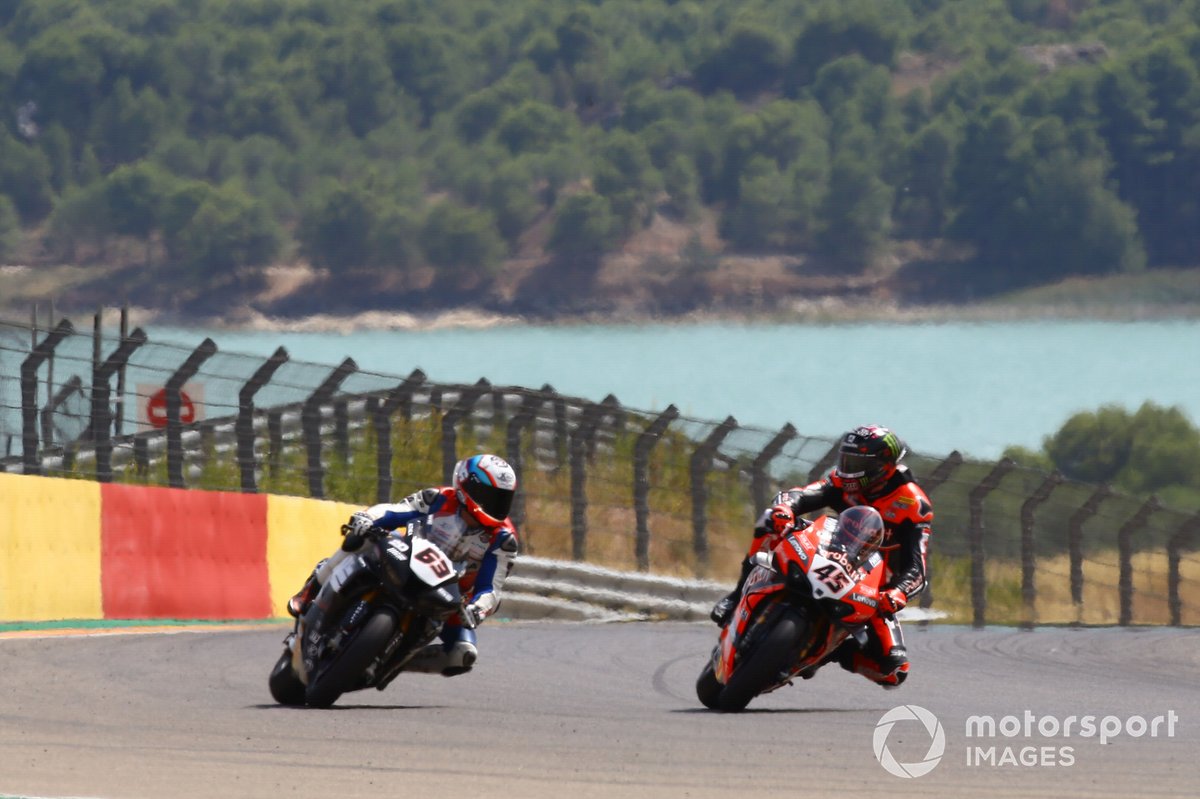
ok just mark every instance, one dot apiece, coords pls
pixel 867 473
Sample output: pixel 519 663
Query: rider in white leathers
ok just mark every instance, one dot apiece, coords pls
pixel 469 522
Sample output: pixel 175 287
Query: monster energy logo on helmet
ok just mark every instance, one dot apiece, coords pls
pixel 868 452
pixel 887 438
pixel 892 442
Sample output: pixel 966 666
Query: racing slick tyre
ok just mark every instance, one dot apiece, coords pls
pixel 708 690
pixel 763 667
pixel 344 673
pixel 286 687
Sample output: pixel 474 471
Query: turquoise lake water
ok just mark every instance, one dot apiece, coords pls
pixel 974 387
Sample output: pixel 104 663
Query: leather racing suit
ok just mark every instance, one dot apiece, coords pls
pixel 908 517
pixel 484 555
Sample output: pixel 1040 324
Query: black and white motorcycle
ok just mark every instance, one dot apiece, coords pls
pixel 379 608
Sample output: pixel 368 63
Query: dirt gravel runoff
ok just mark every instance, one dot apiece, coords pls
pixel 604 710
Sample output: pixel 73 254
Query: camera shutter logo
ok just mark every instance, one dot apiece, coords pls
pixel 937 744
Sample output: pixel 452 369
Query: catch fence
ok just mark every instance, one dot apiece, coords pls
pixel 653 490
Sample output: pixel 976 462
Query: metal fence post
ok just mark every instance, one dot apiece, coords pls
pixel 244 426
pixel 398 399
pixel 101 409
pixel 540 428
pixel 174 388
pixel 466 402
pixel 759 479
pixel 1028 546
pixel 610 410
pixel 641 483
pixel 942 473
pixel 29 384
pixel 275 438
pixel 74 384
pixel 341 429
pixel 562 437
pixel 1186 534
pixel 124 328
pixel 310 422
pixel 581 438
pixel 698 469
pixel 929 484
pixel 1075 540
pixel 1125 553
pixel 530 403
pixel 825 464
pixel 141 454
pixel 975 501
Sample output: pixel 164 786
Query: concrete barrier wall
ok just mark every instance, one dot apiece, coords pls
pixel 49 549
pixel 73 549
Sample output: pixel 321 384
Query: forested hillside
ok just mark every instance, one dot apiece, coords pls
pixel 428 151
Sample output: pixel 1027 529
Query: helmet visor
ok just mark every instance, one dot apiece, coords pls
pixel 494 501
pixel 853 464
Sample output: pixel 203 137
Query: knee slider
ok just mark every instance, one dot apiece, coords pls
pixel 460 658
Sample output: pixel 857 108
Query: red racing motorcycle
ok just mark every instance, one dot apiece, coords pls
pixel 815 588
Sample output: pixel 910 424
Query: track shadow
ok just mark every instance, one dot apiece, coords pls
pixel 780 710
pixel 270 706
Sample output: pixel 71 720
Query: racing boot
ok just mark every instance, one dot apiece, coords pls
pixel 725 605
pixel 887 672
pixel 446 659
pixel 724 608
pixel 893 668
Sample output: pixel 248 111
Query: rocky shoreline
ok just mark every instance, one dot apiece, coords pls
pixel 823 312
pixel 1150 297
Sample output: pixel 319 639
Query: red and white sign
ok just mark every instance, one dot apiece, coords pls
pixel 152 405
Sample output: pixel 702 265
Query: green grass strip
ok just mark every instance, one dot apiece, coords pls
pixel 99 624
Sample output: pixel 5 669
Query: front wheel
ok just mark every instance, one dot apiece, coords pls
pixel 285 685
pixel 708 690
pixel 763 667
pixel 348 665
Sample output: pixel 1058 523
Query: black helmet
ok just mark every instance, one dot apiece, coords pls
pixel 867 457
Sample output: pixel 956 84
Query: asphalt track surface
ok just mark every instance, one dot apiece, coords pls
pixel 587 710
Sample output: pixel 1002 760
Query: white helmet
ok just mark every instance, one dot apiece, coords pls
pixel 485 485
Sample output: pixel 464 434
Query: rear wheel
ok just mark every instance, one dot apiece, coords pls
pixel 708 690
pixel 763 667
pixel 344 673
pixel 286 687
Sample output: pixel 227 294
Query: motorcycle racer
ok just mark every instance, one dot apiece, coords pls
pixel 867 473
pixel 469 522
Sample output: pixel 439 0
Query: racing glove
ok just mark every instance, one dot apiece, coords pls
pixel 779 519
pixel 360 524
pixel 360 527
pixel 892 600
pixel 473 615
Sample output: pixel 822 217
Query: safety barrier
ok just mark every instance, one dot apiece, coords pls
pixel 601 482
pixel 72 549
